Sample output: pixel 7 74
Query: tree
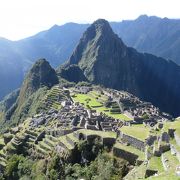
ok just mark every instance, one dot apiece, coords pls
pixel 11 171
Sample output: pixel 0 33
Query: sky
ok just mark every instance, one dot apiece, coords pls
pixel 23 18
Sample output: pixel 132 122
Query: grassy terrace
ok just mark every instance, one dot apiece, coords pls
pixel 156 164
pixel 165 176
pixel 2 141
pixel 93 103
pixel 103 134
pixel 53 96
pixel 136 173
pixel 65 142
pixel 131 150
pixel 172 160
pixel 173 125
pixel 139 131
pixel 173 142
pixel 71 136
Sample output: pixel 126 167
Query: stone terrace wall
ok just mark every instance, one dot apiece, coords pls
pixel 150 172
pixel 62 145
pixel 92 137
pixel 40 136
pixel 163 160
pixel 138 144
pixel 164 148
pixel 178 155
pixel 62 132
pixel 150 140
pixel 175 151
pixel 130 157
pixel 171 132
pixel 177 138
pixel 70 141
pixel 108 141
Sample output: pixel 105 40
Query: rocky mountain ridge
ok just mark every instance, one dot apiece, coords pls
pixel 105 59
pixel 146 34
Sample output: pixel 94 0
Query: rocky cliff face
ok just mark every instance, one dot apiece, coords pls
pixel 72 73
pixel 105 59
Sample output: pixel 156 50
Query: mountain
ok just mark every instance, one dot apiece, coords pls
pixel 39 79
pixel 55 44
pixel 9 100
pixel 72 73
pixel 159 36
pixel 40 75
pixel 11 68
pixel 146 34
pixel 16 57
pixel 104 59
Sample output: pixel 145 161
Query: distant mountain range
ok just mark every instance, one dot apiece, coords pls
pixel 103 58
pixel 147 34
pixel 55 44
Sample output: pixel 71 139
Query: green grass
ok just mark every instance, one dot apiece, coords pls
pixel 172 160
pixel 165 176
pixel 103 134
pixel 173 125
pixel 83 97
pixel 95 104
pixel 131 150
pixel 173 142
pixel 52 143
pixel 64 141
pixel 156 164
pixel 2 141
pixel 44 146
pixel 40 150
pixel 118 116
pixel 98 95
pixel 139 131
pixel 71 136
pixel 2 163
pixel 138 172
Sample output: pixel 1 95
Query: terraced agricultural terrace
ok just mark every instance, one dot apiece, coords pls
pixel 150 145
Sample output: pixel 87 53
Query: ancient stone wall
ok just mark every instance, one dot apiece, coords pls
pixel 76 135
pixel 177 138
pixel 163 160
pixel 164 148
pixel 174 151
pixel 171 132
pixel 40 136
pixel 62 132
pixel 63 145
pixel 138 144
pixel 165 137
pixel 108 141
pixel 130 157
pixel 150 140
pixel 70 141
pixel 91 138
pixel 150 172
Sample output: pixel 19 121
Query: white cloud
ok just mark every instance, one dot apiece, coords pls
pixel 21 18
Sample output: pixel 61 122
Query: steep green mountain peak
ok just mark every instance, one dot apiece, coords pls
pixel 106 60
pixel 41 74
pixel 39 79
